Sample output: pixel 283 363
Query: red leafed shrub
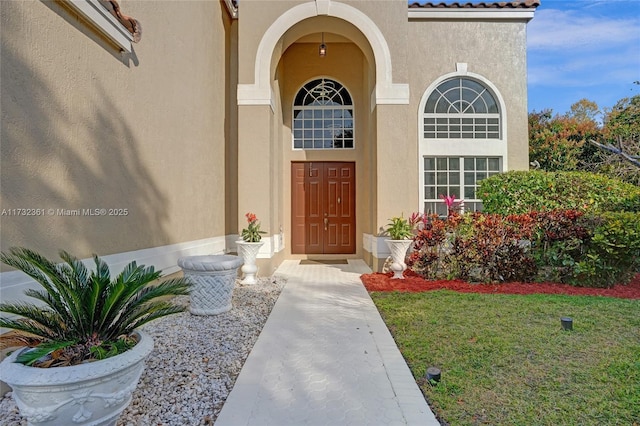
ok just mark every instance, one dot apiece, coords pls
pixel 492 248
pixel 559 246
pixel 558 225
pixel 559 243
pixel 474 247
pixel 429 256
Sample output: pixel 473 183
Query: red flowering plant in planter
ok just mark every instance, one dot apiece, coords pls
pixel 251 234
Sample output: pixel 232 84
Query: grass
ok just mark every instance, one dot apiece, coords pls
pixel 506 361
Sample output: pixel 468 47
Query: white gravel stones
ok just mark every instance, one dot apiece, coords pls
pixel 194 364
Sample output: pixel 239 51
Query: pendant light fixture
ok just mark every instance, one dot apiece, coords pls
pixel 322 50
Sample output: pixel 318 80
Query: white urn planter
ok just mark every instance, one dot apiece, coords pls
pixel 93 394
pixel 249 251
pixel 398 250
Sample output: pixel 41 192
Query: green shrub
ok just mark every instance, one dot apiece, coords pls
pixel 558 243
pixel 492 248
pixel 612 255
pixel 520 192
pixel 567 246
pixel 474 247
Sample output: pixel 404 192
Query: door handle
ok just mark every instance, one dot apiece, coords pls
pixel 326 223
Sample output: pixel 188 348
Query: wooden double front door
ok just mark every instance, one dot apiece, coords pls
pixel 323 212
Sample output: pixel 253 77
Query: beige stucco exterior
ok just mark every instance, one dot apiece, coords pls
pixel 192 129
pixel 84 127
pixel 373 45
pixel 498 55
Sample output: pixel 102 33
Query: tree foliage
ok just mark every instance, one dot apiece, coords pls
pixel 560 142
pixel 622 132
pixel 584 110
pixel 574 141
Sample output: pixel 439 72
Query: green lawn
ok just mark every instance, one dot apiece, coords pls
pixel 506 361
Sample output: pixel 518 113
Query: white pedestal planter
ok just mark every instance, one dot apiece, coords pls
pixel 88 394
pixel 248 252
pixel 212 279
pixel 398 254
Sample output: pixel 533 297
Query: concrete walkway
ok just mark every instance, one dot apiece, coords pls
pixel 325 357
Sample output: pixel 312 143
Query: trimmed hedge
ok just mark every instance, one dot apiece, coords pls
pixel 611 253
pixel 523 191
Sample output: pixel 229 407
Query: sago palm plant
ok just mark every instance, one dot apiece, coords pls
pixel 86 315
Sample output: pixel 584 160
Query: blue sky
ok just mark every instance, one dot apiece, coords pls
pixel 583 49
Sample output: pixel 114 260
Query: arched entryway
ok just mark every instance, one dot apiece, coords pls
pixel 287 59
pixel 323 193
pixel 327 142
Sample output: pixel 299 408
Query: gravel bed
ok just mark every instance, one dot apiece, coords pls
pixel 194 363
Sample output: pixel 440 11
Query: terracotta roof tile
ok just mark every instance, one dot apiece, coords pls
pixel 526 4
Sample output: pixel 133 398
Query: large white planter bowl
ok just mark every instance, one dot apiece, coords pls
pixel 211 280
pixel 94 393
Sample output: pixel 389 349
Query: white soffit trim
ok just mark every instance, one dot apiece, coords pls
pixel 471 14
pixel 95 14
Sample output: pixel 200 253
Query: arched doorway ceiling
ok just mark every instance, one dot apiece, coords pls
pixel 368 37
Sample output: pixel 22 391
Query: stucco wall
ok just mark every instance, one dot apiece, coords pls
pixel 398 55
pixel 494 50
pixel 86 128
pixel 352 21
pixel 260 17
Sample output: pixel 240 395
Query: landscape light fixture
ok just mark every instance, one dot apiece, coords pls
pixel 433 375
pixel 567 323
pixel 322 50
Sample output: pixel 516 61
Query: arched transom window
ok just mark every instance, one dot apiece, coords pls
pixel 323 116
pixel 461 108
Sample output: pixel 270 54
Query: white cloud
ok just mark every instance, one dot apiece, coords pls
pixel 583 49
pixel 555 30
pixel 584 44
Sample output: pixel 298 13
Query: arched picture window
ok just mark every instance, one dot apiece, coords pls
pixel 323 116
pixel 461 142
pixel 461 108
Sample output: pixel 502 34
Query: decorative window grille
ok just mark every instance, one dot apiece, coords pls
pixel 323 116
pixel 456 176
pixel 461 108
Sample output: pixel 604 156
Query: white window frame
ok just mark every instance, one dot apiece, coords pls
pixel 460 147
pixel 100 18
pixel 344 107
pixel 456 189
